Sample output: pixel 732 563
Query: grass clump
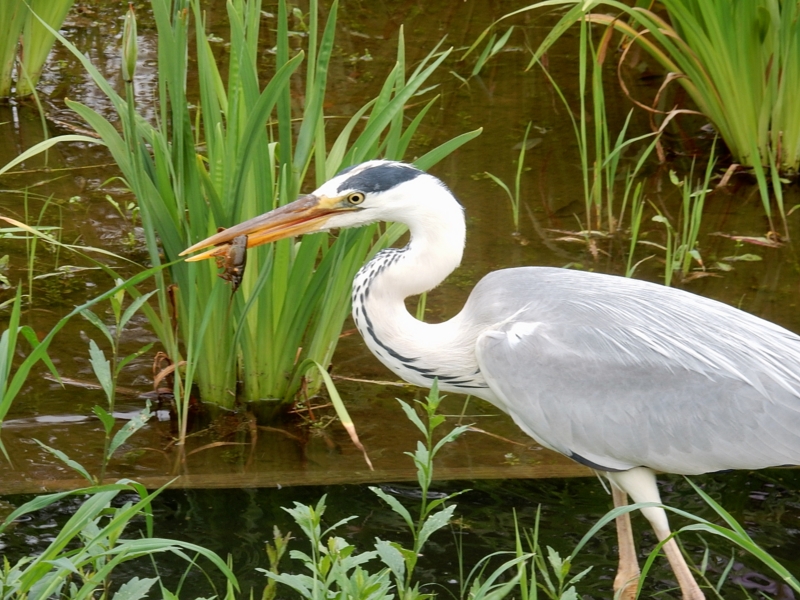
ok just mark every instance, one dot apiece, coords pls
pixel 238 149
pixel 739 61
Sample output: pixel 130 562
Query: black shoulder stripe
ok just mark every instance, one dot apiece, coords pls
pixel 592 465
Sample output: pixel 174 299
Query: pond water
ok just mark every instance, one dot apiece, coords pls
pixel 237 477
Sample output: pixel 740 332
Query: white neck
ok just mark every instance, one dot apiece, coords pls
pixel 411 348
pixel 433 252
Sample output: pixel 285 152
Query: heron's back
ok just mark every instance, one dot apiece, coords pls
pixel 619 373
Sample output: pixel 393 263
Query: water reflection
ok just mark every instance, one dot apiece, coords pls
pixel 233 452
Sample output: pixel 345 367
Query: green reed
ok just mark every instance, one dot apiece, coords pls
pixel 681 247
pixel 514 197
pixel 601 152
pixel 26 42
pixel 12 18
pixel 231 153
pixel 738 61
pixel 637 212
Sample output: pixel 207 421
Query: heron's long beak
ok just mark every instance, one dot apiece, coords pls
pixel 304 215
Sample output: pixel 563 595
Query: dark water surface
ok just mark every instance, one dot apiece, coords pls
pixel 259 474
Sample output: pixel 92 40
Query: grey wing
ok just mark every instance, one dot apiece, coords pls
pixel 616 397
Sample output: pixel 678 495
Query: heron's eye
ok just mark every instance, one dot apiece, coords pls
pixel 355 198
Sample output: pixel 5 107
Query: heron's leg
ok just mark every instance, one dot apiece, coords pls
pixel 640 484
pixel 627 579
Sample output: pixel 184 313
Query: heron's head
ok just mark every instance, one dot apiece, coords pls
pixel 378 190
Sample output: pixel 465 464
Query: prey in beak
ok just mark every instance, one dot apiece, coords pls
pixel 234 262
pixel 305 215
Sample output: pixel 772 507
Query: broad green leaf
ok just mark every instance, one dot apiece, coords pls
pixel 302 584
pixel 556 562
pixel 90 316
pixel 102 369
pixel 412 416
pixel 106 418
pixel 67 461
pixel 433 523
pixel 127 430
pixel 63 562
pixel 395 505
pixel 455 433
pixel 133 308
pixel 392 558
pixel 134 589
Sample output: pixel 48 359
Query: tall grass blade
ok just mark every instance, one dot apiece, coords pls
pixel 37 40
pixel 12 19
pixel 338 405
pixel 44 146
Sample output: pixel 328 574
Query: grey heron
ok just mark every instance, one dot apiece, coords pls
pixel 625 376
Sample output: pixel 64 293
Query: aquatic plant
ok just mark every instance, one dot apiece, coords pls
pixel 336 567
pixel 83 555
pixel 601 152
pixel 514 198
pixel 24 40
pixel 738 61
pixel 680 248
pixel 107 370
pixel 550 573
pixel 10 385
pixel 293 296
pixel 84 552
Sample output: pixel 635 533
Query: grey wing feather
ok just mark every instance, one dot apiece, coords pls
pixel 642 375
